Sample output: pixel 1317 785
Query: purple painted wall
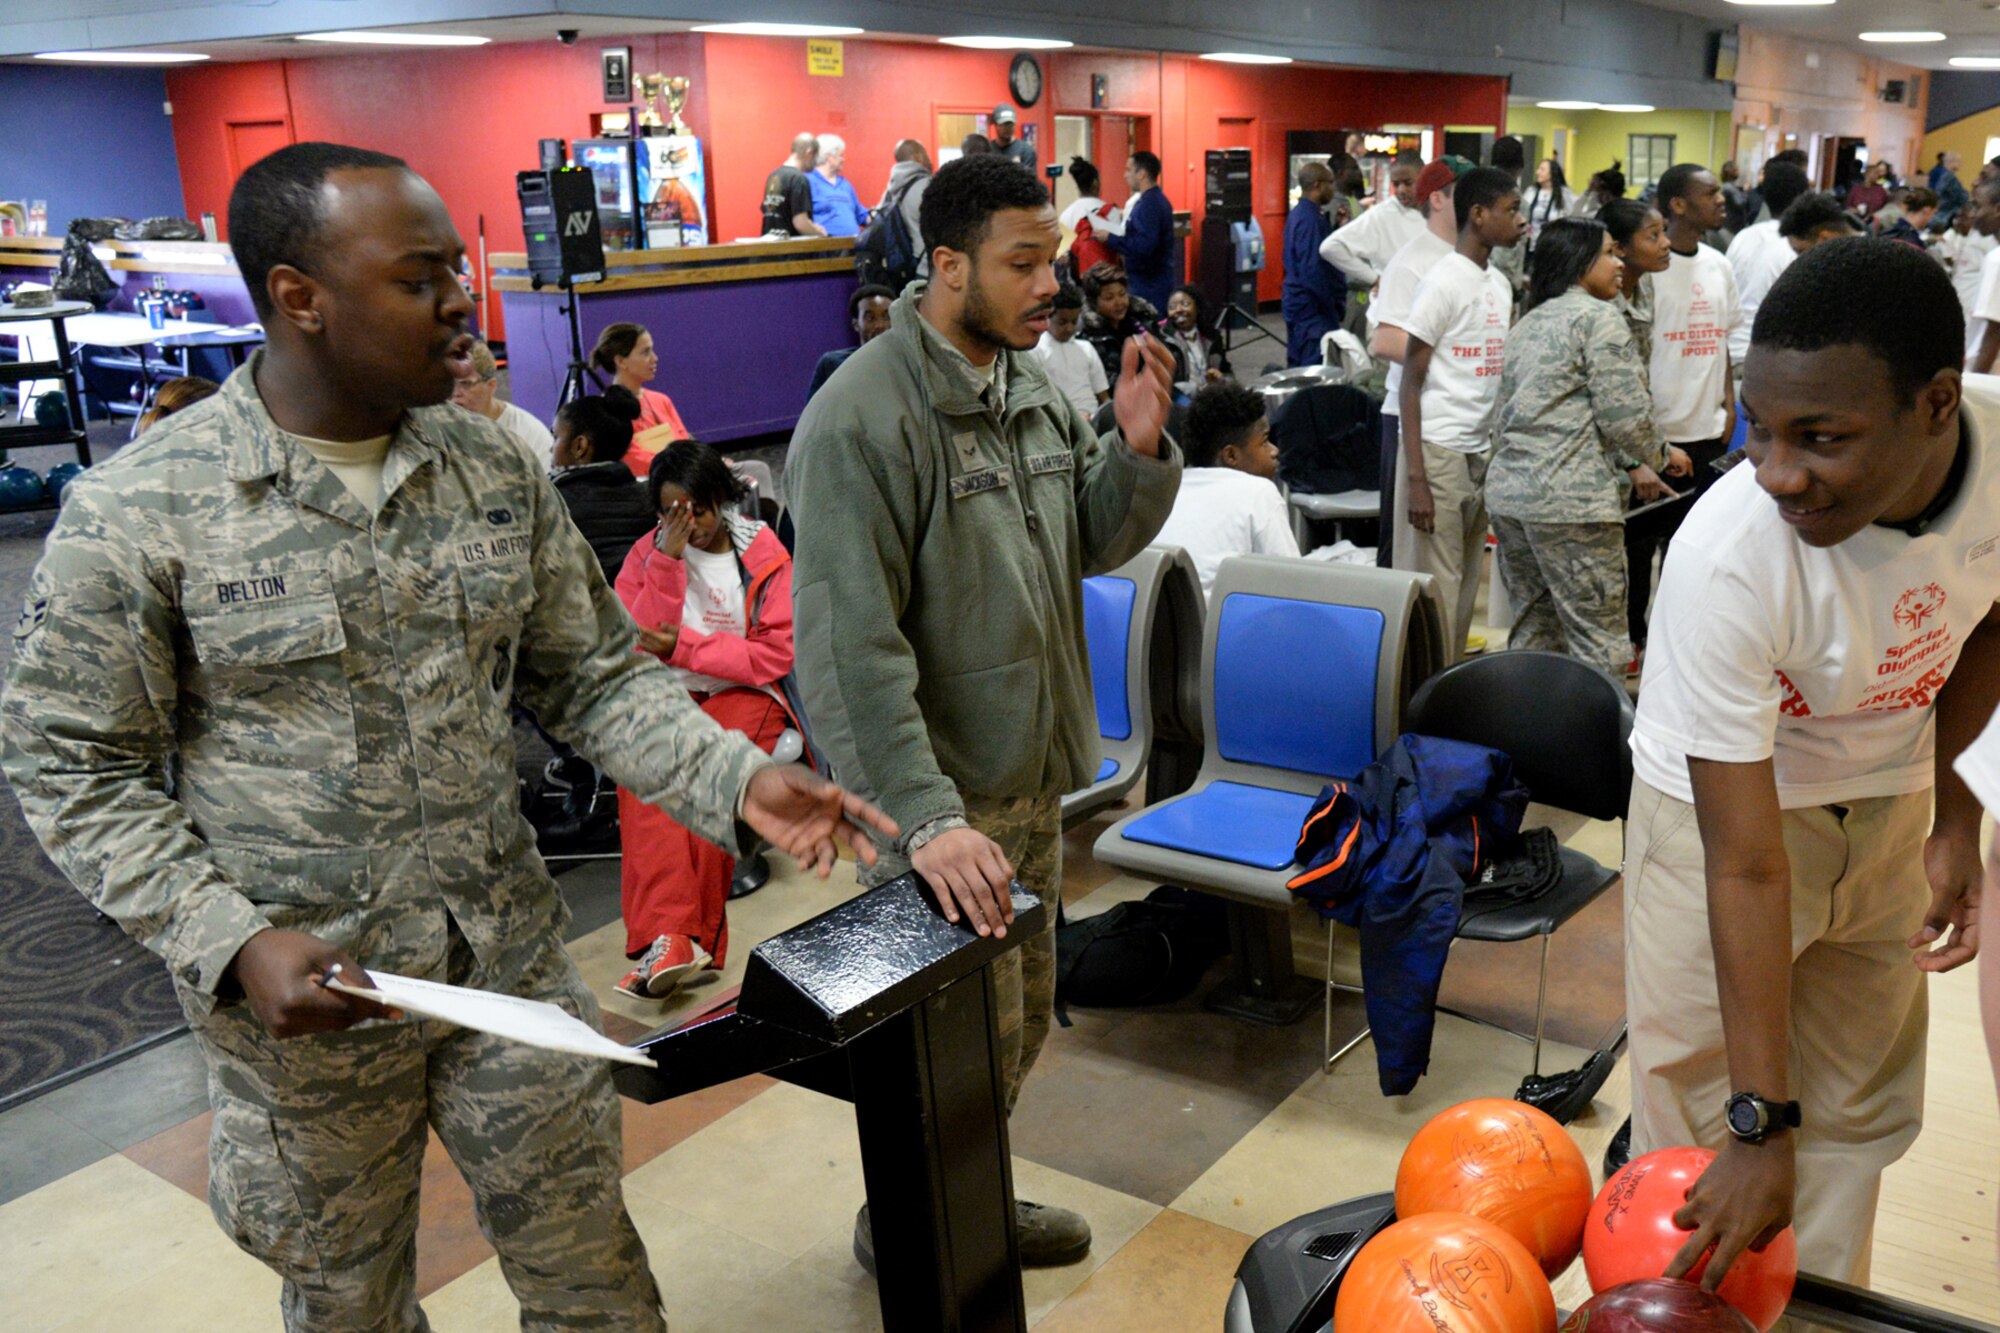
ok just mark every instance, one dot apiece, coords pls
pixel 735 357
pixel 92 142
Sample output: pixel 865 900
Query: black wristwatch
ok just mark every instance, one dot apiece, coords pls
pixel 1752 1119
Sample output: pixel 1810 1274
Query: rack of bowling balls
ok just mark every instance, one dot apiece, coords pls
pixel 1493 1202
pixel 24 488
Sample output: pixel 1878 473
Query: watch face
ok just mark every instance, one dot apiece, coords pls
pixel 1024 79
pixel 1743 1117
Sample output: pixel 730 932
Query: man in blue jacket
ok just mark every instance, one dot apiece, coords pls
pixel 1315 294
pixel 1147 247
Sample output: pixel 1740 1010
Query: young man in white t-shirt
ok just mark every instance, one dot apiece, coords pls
pixel 1982 317
pixel 1390 305
pixel 1229 502
pixel 1825 644
pixel 1694 394
pixel 1457 330
pixel 1758 254
pixel 1073 367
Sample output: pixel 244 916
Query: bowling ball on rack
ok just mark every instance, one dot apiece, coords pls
pixel 1630 1235
pixel 1657 1305
pixel 1507 1163
pixel 20 488
pixel 58 478
pixel 1444 1273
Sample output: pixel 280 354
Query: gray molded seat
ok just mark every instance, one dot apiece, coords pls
pixel 1133 680
pixel 1344 507
pixel 1306 669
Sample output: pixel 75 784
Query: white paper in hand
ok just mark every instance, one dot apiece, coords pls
pixel 535 1022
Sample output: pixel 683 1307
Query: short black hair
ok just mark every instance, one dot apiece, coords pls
pixel 1813 213
pixel 1796 156
pixel 1783 182
pixel 1067 297
pixel 1481 187
pixel 1990 188
pixel 1835 294
pixel 697 469
pixel 278 207
pixel 1101 275
pixel 959 203
pixel 1564 252
pixel 867 291
pixel 1624 217
pixel 1676 182
pixel 1147 162
pixel 604 419
pixel 1222 414
pixel 1508 154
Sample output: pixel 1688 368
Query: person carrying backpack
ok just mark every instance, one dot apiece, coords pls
pixel 890 249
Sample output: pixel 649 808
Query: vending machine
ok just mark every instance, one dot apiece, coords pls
pixel 614 163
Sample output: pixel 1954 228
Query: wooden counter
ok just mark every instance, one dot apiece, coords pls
pixel 738 328
pixel 129 256
pixel 744 261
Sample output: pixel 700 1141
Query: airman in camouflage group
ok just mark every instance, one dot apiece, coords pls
pixel 1576 417
pixel 266 727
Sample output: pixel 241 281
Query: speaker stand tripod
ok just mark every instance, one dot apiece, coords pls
pixel 578 379
pixel 1224 326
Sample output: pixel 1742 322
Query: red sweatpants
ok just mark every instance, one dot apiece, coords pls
pixel 674 883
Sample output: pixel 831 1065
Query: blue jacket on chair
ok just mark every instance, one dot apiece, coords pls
pixel 1391 853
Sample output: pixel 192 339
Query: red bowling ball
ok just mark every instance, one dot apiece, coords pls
pixel 1656 1305
pixel 1631 1235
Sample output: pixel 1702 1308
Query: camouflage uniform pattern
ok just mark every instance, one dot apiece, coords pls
pixel 1566 583
pixel 332 691
pixel 1575 415
pixel 1024 980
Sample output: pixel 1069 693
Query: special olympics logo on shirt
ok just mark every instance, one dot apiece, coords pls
pixel 1917 605
pixel 1696 289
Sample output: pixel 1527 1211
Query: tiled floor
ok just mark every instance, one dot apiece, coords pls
pixel 1179 1134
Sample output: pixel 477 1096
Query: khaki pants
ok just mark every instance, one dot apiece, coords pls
pixel 1451 551
pixel 1859 1009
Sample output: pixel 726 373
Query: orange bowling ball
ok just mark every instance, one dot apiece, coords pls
pixel 1506 1163
pixel 1444 1273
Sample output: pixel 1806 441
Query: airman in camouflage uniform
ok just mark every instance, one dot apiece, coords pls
pixel 264 727
pixel 1576 417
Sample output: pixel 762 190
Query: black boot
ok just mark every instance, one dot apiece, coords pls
pixel 1620 1150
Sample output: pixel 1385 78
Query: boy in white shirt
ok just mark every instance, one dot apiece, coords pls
pixel 1229 502
pixel 1390 306
pixel 1962 249
pixel 1825 644
pixel 1073 367
pixel 1457 331
pixel 1982 316
pixel 1694 393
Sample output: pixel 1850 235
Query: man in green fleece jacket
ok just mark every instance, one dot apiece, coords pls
pixel 949 503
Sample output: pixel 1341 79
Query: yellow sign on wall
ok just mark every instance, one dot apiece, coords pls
pixel 824 58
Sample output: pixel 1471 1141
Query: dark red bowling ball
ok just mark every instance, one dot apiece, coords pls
pixel 1657 1305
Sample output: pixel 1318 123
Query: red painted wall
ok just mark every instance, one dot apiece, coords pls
pixel 468 119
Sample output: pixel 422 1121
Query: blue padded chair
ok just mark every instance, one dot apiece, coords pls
pixel 1128 676
pixel 1306 668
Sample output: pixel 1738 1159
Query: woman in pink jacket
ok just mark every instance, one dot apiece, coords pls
pixel 712 595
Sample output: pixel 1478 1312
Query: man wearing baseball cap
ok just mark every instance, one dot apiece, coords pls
pixel 1398 288
pixel 1004 142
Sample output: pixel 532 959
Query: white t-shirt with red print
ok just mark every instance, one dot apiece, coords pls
pixel 1825 660
pixel 714 605
pixel 1694 310
pixel 1462 310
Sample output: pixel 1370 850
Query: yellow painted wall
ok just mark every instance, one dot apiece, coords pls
pixel 1699 136
pixel 1965 137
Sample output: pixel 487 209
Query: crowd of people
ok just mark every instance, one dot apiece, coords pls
pixel 376 582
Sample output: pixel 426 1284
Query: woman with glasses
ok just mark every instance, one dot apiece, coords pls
pixel 479 392
pixel 711 592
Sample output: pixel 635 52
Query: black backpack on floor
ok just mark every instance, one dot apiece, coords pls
pixel 1139 953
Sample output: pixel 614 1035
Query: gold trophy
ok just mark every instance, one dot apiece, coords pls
pixel 650 88
pixel 677 95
